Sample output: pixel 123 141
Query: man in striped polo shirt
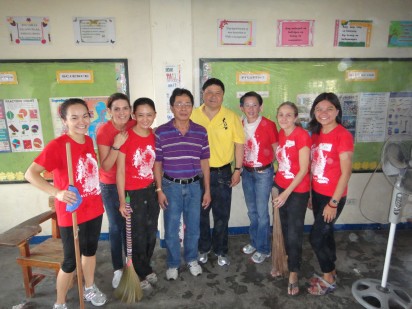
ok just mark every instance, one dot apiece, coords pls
pixel 182 161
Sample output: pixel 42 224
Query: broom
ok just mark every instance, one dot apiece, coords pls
pixel 129 290
pixel 72 208
pixel 279 257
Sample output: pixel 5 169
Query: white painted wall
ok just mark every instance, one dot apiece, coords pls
pixel 153 33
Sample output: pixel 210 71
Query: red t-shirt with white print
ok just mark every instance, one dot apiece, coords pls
pixel 85 176
pixel 325 152
pixel 287 155
pixel 140 157
pixel 258 150
pixel 105 136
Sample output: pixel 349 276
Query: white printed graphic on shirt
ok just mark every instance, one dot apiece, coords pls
pixel 251 152
pixel 319 159
pixel 87 174
pixel 283 160
pixel 143 162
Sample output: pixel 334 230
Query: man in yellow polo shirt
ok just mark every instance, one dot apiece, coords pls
pixel 226 139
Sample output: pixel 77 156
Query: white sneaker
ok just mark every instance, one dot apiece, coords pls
pixel 116 278
pixel 171 274
pixel 59 306
pixel 223 260
pixel 203 257
pixel 195 268
pixel 248 249
pixel 95 296
pixel 144 284
pixel 258 257
pixel 152 278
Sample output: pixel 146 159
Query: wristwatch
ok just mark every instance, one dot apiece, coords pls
pixel 238 169
pixel 115 148
pixel 335 202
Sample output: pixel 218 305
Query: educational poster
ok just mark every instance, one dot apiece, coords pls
pixel 97 109
pixel 236 32
pixel 295 33
pixel 400 34
pixel 372 112
pixel 23 123
pixel 94 30
pixel 304 104
pixel 173 75
pixel 400 113
pixel 349 103
pixel 29 30
pixel 352 33
pixel 5 145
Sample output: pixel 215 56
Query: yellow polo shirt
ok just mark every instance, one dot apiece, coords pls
pixel 223 131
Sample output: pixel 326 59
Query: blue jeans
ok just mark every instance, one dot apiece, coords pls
pixel 186 199
pixel 322 236
pixel 117 230
pixel 257 186
pixel 221 194
pixel 292 218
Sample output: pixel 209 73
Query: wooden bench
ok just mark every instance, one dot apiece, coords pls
pixel 47 254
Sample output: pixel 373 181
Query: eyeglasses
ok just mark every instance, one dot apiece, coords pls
pixel 251 105
pixel 182 105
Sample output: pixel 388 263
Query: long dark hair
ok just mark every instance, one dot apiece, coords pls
pixel 314 126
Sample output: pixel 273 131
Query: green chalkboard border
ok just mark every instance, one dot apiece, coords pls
pixel 99 62
pixel 397 82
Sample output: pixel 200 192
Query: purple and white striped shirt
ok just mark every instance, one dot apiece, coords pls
pixel 181 154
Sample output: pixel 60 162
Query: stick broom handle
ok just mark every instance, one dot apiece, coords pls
pixel 75 231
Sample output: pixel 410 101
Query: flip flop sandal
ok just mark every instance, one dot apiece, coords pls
pixel 316 278
pixel 293 287
pixel 322 287
pixel 276 274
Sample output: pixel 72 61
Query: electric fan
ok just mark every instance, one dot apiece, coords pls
pixel 397 167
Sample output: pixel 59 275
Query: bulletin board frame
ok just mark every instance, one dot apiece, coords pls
pixel 300 80
pixel 37 80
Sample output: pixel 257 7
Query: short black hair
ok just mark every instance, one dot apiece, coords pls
pixel 178 92
pixel 213 81
pixel 251 94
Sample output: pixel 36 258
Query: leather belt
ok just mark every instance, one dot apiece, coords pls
pixel 182 181
pixel 257 169
pixel 220 168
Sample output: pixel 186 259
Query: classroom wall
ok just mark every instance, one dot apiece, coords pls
pixel 154 33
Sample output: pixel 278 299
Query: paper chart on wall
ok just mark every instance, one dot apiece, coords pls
pixel 372 112
pixel 21 125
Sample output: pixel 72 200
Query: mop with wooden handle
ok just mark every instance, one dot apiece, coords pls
pixel 279 257
pixel 129 289
pixel 72 208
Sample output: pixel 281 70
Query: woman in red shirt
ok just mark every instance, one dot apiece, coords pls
pixel 331 168
pixel 76 117
pixel 110 137
pixel 293 183
pixel 135 179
